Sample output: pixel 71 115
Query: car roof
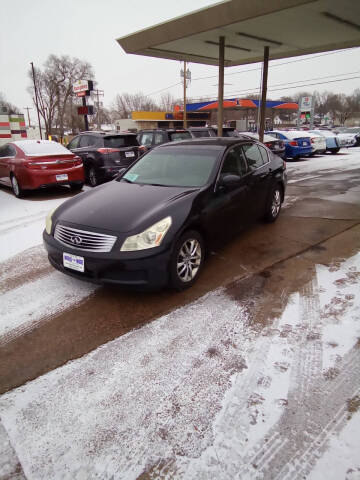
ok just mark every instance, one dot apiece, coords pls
pixel 163 130
pixel 106 134
pixel 209 141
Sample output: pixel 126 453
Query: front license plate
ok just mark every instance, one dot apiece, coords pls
pixel 74 262
pixel 62 177
pixel 129 154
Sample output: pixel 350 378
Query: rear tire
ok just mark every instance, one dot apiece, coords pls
pixel 334 151
pixel 186 260
pixel 274 204
pixel 17 190
pixel 93 177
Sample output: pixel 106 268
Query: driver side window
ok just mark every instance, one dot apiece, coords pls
pixel 234 163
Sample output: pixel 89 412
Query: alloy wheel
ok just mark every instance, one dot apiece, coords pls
pixel 276 203
pixel 189 260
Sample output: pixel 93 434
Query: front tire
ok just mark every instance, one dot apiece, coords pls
pixel 274 205
pixel 17 190
pixel 186 260
pixel 334 151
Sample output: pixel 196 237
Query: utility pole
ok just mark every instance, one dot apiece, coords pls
pixel 184 114
pixel 28 108
pixel 98 93
pixel 36 97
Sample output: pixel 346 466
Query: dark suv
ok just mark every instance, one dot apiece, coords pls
pixel 151 138
pixel 103 155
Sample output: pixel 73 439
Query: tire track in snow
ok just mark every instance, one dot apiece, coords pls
pixel 25 307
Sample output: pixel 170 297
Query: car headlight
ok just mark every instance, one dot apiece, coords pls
pixel 48 222
pixel 149 238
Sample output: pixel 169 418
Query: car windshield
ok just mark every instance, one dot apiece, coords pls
pixel 174 136
pixel 180 166
pixel 118 141
pixel 42 147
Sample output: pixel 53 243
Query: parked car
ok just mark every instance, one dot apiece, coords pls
pixel 332 143
pixel 297 143
pixel 151 138
pixel 347 139
pixel 103 154
pixel 318 142
pixel 32 164
pixel 276 146
pixel 154 222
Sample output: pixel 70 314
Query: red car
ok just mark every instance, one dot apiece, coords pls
pixel 32 164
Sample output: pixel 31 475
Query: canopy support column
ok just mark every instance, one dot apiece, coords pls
pixel 221 85
pixel 184 114
pixel 263 93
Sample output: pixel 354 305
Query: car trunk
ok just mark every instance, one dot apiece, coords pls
pixel 120 150
pixel 52 162
pixel 303 141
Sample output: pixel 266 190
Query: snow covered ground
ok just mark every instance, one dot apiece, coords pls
pixel 200 393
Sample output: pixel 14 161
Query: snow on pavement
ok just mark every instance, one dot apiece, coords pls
pixel 199 394
pixel 24 307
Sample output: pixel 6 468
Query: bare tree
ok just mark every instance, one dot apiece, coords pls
pixel 126 103
pixel 55 84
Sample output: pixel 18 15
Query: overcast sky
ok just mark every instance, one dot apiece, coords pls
pixel 31 31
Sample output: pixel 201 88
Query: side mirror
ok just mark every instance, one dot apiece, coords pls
pixel 227 181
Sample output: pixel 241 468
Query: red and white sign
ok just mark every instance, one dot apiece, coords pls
pixel 81 86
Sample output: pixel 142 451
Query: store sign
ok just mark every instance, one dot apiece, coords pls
pixel 306 104
pixel 82 86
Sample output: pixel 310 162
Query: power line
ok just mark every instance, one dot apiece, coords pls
pixel 243 92
pixel 300 81
pixel 255 69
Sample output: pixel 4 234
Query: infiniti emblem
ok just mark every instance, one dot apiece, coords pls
pixel 76 240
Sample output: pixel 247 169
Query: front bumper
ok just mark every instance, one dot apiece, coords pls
pixel 150 270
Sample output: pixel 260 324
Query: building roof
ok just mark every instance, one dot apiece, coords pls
pixel 288 27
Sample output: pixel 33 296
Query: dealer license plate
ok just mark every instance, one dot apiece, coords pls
pixel 129 154
pixel 74 262
pixel 62 177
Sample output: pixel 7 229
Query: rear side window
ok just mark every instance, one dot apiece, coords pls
pixel 200 133
pixel 118 141
pixel 74 143
pixel 159 137
pixel 174 136
pixel 146 139
pixel 253 156
pixel 264 154
pixel 7 151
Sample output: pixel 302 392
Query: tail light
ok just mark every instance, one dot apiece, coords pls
pixel 268 144
pixel 77 161
pixel 293 143
pixel 142 149
pixel 108 150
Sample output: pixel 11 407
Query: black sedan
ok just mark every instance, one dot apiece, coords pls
pixel 152 225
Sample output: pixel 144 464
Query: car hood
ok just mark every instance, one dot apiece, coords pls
pixel 123 207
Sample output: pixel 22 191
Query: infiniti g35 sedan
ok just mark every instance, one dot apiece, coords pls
pixel 152 225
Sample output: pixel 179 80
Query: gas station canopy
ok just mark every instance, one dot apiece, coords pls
pixel 289 27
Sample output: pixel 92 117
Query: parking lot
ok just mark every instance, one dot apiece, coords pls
pixel 252 373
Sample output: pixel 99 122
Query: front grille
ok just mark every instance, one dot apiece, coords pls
pixel 83 240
